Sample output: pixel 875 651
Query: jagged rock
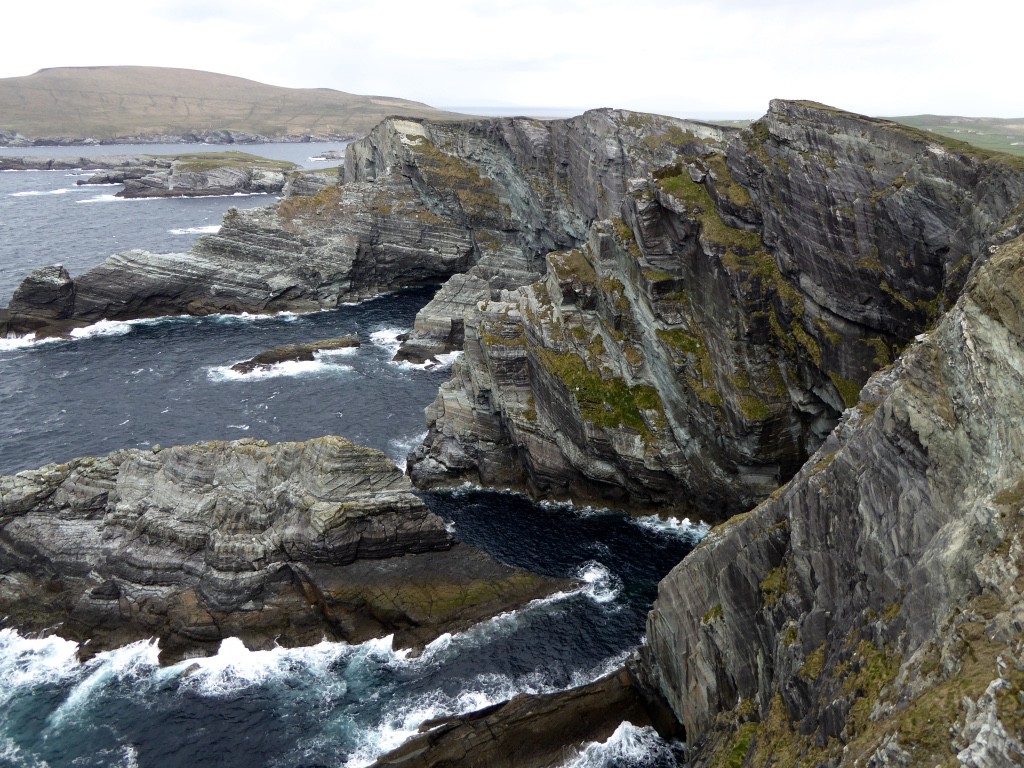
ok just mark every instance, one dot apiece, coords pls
pixel 293 352
pixel 179 181
pixel 709 300
pixel 876 600
pixel 284 543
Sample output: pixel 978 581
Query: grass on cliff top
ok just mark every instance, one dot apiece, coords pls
pixel 199 162
pixel 921 129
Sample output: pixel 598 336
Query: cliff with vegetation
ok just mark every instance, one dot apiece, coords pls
pixel 871 612
pixel 725 305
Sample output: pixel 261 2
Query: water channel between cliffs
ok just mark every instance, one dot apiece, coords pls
pixel 168 381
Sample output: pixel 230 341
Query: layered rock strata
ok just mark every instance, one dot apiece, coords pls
pixel 286 543
pixel 871 612
pixel 703 340
pixel 708 302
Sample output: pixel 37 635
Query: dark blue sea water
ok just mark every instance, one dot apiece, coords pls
pixel 169 381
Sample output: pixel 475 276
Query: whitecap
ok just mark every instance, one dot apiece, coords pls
pixel 673 526
pixel 316 367
pixel 437 363
pixel 211 229
pixel 33 662
pixel 600 584
pixel 103 328
pixel 38 193
pixel 628 745
pixel 235 668
pixel 243 427
pixel 21 342
pixel 388 338
pixel 11 755
pixel 102 199
pixel 135 661
pixel 399 448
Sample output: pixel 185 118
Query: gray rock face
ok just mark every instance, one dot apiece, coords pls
pixel 217 181
pixel 192 544
pixel 730 300
pixel 876 600
pixel 106 162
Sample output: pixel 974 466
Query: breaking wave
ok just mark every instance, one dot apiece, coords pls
pixel 317 367
pixel 628 745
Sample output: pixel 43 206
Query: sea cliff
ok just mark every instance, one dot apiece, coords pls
pixel 665 314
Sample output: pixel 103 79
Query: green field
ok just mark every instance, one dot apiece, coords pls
pixel 1000 135
pixel 992 133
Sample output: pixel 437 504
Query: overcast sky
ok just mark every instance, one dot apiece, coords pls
pixel 898 57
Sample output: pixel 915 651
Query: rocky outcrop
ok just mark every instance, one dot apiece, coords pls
pixel 871 612
pixel 224 180
pixel 527 731
pixel 294 353
pixel 727 305
pixel 285 543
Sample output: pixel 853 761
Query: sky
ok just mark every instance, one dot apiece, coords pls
pixel 685 58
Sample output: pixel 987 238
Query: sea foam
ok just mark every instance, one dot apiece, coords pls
pixel 628 745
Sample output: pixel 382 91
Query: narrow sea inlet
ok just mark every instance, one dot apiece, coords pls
pixel 169 381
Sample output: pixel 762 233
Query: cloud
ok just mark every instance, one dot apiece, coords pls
pixel 680 57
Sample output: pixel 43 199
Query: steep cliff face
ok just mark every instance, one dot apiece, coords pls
pixel 705 338
pixel 871 613
pixel 269 543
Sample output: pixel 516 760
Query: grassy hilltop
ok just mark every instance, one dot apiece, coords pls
pixel 110 102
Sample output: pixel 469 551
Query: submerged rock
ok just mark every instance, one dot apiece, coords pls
pixel 294 353
pixel 285 543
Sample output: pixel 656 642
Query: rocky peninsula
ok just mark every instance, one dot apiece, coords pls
pixel 199 174
pixel 659 313
pixel 286 543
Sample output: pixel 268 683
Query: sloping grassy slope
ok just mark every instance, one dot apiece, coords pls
pixel 108 102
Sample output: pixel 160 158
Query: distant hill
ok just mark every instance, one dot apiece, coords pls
pixel 108 103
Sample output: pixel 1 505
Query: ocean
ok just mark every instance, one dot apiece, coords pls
pixel 169 381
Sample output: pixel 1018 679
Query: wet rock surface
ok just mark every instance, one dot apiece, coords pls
pixel 527 731
pixel 294 353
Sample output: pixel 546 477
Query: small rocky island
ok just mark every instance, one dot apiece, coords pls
pixel 807 330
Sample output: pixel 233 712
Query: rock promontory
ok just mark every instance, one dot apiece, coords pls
pixel 272 543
